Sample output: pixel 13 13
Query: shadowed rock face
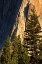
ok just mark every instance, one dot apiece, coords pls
pixel 8 12
pixel 6 7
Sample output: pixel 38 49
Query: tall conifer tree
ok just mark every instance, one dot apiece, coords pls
pixel 5 57
pixel 31 32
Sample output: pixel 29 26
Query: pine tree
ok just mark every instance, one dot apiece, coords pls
pixel 31 33
pixel 20 52
pixel 5 57
pixel 26 58
pixel 16 55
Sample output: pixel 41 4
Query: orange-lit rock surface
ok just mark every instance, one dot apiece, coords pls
pixel 38 7
pixel 21 19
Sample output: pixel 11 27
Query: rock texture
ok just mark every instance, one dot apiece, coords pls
pixel 21 16
pixel 21 19
pixel 38 7
pixel 13 14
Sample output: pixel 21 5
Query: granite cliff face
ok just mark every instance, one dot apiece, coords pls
pixel 21 19
pixel 38 7
pixel 23 11
pixel 13 14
